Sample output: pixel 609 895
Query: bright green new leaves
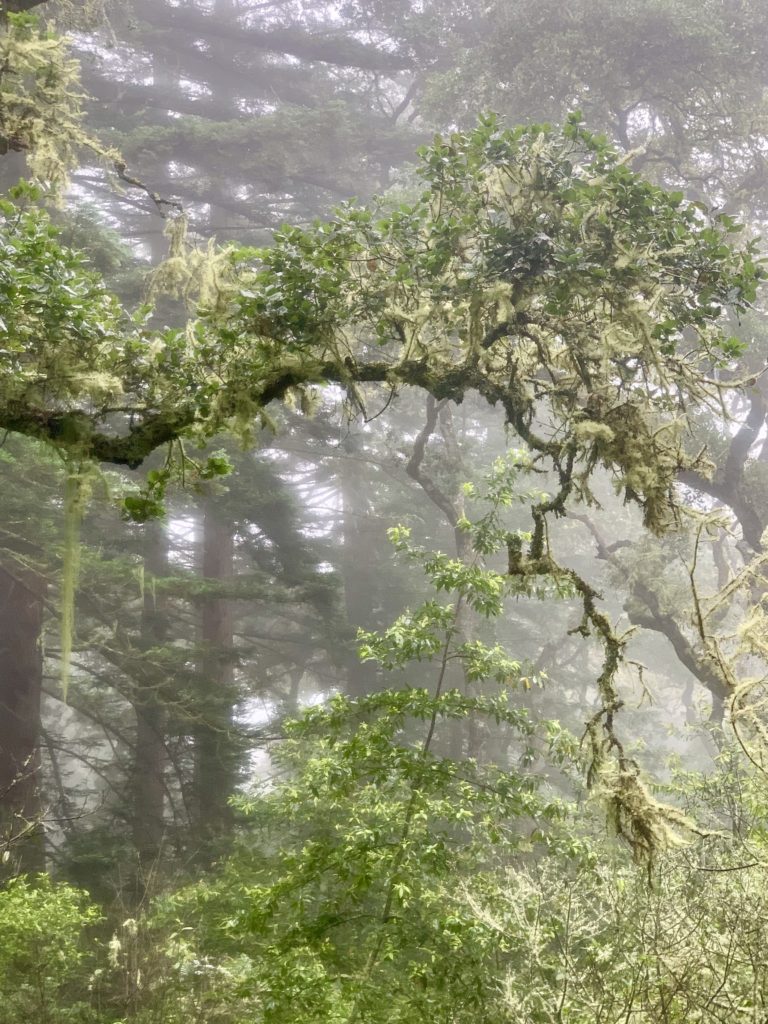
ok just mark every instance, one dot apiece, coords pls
pixel 347 894
pixel 375 835
pixel 485 924
pixel 44 951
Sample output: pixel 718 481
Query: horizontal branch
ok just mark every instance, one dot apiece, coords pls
pixel 79 431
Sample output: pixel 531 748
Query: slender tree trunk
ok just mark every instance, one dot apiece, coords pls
pixel 21 676
pixel 149 767
pixel 216 747
pixel 451 505
pixel 356 568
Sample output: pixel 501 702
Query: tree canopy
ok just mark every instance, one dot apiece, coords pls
pixel 535 268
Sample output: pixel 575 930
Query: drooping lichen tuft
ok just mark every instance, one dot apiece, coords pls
pixel 41 102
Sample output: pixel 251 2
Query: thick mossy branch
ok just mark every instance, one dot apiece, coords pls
pixel 535 270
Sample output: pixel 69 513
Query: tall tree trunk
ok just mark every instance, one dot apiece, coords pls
pixel 216 747
pixel 150 758
pixel 21 677
pixel 356 568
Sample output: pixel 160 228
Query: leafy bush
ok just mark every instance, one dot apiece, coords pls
pixel 46 952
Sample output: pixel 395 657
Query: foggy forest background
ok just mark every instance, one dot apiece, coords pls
pixel 213 808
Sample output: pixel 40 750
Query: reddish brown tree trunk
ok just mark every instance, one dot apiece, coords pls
pixel 21 676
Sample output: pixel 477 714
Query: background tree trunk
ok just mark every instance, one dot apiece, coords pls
pixel 21 676
pixel 216 753
pixel 355 564
pixel 150 757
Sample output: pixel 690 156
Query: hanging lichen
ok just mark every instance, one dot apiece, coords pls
pixel 203 276
pixel 41 102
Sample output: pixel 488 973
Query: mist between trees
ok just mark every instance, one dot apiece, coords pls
pixel 384 486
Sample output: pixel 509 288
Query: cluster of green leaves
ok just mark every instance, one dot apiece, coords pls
pixel 59 325
pixel 530 247
pixel 148 501
pixel 550 214
pixel 373 835
pixel 45 955
pixel 347 881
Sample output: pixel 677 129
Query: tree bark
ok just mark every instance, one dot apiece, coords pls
pixel 150 756
pixel 356 569
pixel 216 749
pixel 21 676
